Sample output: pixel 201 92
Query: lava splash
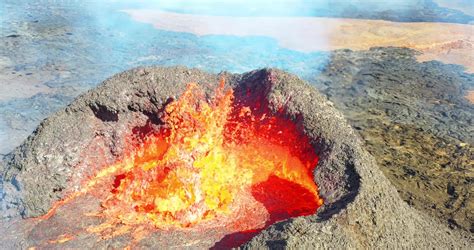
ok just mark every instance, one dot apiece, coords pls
pixel 208 164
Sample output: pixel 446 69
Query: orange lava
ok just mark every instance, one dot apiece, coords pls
pixel 209 154
pixel 62 238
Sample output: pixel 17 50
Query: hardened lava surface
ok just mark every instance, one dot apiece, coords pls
pixel 309 150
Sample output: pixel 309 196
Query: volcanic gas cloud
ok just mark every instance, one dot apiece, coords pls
pixel 214 161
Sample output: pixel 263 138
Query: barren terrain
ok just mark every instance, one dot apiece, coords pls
pixel 415 121
pixel 413 113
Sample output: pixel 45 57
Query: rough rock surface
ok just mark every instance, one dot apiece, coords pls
pixel 362 209
pixel 415 121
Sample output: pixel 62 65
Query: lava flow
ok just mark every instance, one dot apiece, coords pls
pixel 209 159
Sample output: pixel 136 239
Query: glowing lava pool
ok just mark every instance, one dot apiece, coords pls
pixel 214 162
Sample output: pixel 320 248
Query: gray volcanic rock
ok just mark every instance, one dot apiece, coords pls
pixel 415 121
pixel 362 209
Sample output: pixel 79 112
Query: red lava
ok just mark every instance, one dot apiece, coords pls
pixel 211 158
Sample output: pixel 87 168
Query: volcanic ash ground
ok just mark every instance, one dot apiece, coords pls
pixel 176 157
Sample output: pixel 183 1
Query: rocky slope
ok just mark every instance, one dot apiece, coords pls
pixel 415 121
pixel 362 209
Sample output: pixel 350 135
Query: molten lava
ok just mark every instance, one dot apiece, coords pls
pixel 203 164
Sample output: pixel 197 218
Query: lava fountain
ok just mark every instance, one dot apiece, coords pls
pixel 213 162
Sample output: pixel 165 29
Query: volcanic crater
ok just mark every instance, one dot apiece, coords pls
pixel 176 157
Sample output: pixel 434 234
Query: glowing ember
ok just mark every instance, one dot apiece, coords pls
pixel 202 165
